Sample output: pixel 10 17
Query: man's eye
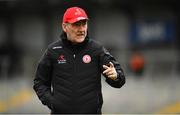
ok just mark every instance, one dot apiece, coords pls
pixel 80 23
pixel 77 24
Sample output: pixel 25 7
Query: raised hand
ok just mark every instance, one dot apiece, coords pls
pixel 110 71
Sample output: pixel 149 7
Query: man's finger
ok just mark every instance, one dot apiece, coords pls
pixel 111 64
pixel 105 67
pixel 106 71
pixel 109 73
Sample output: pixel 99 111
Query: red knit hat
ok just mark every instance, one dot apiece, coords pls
pixel 74 14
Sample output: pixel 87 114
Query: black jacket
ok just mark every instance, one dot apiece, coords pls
pixel 68 77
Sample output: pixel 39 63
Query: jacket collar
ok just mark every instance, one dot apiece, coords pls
pixel 72 46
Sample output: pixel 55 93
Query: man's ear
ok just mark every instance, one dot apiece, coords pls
pixel 64 26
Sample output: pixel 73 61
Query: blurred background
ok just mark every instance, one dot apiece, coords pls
pixel 143 35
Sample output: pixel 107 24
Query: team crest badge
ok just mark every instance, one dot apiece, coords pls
pixel 86 58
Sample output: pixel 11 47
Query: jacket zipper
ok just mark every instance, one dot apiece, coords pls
pixel 74 80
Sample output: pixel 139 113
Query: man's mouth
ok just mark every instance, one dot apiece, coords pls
pixel 80 34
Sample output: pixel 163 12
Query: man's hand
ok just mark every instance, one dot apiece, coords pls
pixel 110 71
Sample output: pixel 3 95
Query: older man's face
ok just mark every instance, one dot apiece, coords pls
pixel 76 32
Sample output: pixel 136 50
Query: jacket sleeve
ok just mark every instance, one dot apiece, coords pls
pixel 105 58
pixel 42 80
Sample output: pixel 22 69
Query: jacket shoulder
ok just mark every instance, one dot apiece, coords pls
pixel 95 44
pixel 55 45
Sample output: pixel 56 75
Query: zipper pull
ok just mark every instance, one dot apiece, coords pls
pixel 74 55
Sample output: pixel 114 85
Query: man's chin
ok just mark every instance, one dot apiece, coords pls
pixel 79 40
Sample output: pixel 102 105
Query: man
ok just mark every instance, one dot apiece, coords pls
pixel 68 77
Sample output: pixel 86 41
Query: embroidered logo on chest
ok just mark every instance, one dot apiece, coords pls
pixel 86 58
pixel 61 59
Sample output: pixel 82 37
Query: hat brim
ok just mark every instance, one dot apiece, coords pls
pixel 77 19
